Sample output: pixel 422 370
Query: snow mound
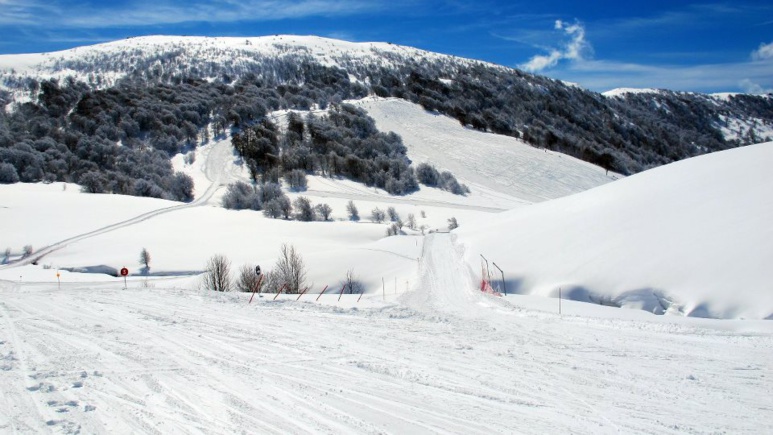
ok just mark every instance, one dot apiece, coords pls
pixel 692 237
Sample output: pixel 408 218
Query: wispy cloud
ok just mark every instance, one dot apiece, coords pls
pixel 754 77
pixel 573 49
pixel 149 13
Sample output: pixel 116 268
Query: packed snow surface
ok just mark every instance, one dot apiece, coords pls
pixel 422 350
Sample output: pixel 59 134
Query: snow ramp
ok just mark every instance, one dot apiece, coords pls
pixel 446 284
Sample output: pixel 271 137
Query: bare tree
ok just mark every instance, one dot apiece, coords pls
pixel 351 284
pixel 218 274
pixel 290 269
pixel 351 209
pixel 145 258
pixel 303 209
pixel 26 251
pixel 411 221
pixel 393 215
pixel 377 215
pixel 324 211
pixel 248 280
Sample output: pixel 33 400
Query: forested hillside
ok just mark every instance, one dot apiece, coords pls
pixel 111 119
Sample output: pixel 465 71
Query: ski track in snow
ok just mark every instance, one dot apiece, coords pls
pixel 444 359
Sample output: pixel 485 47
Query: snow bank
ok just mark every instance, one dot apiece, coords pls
pixel 691 237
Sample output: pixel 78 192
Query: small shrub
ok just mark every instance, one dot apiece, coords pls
pixel 248 279
pixel 377 215
pixel 324 211
pixel 352 211
pixel 218 274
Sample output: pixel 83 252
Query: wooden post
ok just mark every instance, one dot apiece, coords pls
pixel 257 286
pixel 323 291
pixel 302 293
pixel 361 292
pixel 281 289
pixel 342 292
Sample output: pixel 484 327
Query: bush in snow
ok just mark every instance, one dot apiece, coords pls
pixel 8 174
pixel 296 179
pixel 452 224
pixel 352 211
pixel 324 211
pixel 377 215
pixel 248 279
pixel 218 274
pixel 393 215
pixel 303 209
pixel 351 284
pixel 290 270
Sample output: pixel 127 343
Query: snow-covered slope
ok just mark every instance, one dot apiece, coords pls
pixel 102 65
pixel 494 166
pixel 693 236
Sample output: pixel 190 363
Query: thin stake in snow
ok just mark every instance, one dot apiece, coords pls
pixel 361 292
pixel 302 293
pixel 342 292
pixel 504 289
pixel 281 289
pixel 559 300
pixel 323 292
pixel 257 286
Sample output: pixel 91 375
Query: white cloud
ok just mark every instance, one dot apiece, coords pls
pixel 750 87
pixel 573 49
pixel 765 52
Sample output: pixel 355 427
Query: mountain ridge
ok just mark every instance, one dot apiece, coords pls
pixel 204 83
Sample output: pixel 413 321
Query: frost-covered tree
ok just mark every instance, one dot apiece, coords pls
pixel 377 215
pixel 145 258
pixel 303 209
pixel 351 210
pixel 324 211
pixel 218 274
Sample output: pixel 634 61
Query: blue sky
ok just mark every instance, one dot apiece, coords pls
pixel 689 46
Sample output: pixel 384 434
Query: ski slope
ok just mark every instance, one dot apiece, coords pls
pixel 422 351
pixel 93 358
pixel 495 167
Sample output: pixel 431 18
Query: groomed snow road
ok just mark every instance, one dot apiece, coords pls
pixel 443 359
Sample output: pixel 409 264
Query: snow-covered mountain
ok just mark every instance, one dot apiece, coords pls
pixel 624 131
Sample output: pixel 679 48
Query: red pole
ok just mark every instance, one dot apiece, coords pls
pixel 342 292
pixel 302 293
pixel 323 291
pixel 256 288
pixel 281 289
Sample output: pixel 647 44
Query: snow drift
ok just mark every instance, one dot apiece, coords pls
pixel 692 237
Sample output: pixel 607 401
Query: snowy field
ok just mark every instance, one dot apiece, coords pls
pixel 422 351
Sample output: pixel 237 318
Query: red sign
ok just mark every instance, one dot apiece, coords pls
pixel 124 271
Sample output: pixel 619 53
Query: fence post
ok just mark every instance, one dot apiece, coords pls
pixel 503 278
pixel 342 292
pixel 302 293
pixel 281 289
pixel 260 279
pixel 323 291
